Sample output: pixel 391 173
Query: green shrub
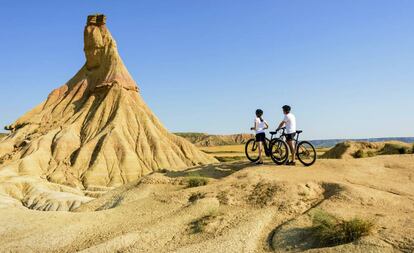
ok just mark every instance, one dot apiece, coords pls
pixel 359 154
pixel 331 231
pixel 195 180
pixel 370 154
pixel 403 150
pixel 395 149
pixel 163 171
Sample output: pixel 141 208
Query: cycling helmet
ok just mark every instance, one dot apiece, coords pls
pixel 286 108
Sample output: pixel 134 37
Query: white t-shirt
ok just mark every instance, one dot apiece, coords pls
pixel 260 125
pixel 290 122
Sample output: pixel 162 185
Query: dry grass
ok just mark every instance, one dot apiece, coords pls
pixel 195 180
pixel 199 225
pixel 362 154
pixel 263 194
pixel 196 196
pixel 328 230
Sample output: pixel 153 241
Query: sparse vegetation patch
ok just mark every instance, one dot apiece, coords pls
pixel 362 154
pixel 329 230
pixel 196 196
pixel 199 225
pixel 163 171
pixel 224 159
pixel 394 148
pixel 195 180
pixel 263 194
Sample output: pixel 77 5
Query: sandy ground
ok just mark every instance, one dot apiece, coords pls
pixel 244 208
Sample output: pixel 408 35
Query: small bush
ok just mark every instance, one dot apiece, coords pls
pixel 359 154
pixel 195 180
pixel 331 231
pixel 199 225
pixel 196 196
pixel 163 171
pixel 395 149
pixel 370 154
pixel 403 150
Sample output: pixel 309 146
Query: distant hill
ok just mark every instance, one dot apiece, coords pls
pixel 333 142
pixel 361 149
pixel 206 140
pixel 2 135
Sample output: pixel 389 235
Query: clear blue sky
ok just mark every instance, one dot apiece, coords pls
pixel 346 67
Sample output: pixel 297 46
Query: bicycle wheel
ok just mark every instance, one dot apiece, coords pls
pixel 252 150
pixel 306 153
pixel 279 151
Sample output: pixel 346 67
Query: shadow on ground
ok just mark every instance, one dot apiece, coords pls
pixel 215 171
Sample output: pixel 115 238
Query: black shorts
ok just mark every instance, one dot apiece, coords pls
pixel 290 137
pixel 261 137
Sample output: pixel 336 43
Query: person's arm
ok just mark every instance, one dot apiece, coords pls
pixel 281 124
pixel 266 125
pixel 255 126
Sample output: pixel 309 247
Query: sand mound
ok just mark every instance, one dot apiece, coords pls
pixel 351 149
pixel 95 130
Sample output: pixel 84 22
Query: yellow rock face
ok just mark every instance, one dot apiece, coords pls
pixel 95 130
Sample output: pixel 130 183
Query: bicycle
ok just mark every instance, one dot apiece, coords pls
pixel 276 148
pixel 305 151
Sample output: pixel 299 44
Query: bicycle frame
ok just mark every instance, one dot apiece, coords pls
pixel 265 144
pixel 282 136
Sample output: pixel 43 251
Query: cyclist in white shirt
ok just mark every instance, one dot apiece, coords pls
pixel 289 121
pixel 260 125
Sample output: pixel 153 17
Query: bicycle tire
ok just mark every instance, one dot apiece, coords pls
pixel 281 148
pixel 254 147
pixel 311 153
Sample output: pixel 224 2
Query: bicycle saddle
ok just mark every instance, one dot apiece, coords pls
pixel 272 133
pixel 299 131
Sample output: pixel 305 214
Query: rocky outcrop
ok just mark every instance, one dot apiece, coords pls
pixel 354 149
pixel 96 129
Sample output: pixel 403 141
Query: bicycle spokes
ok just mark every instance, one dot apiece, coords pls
pixel 306 153
pixel 303 152
pixel 279 151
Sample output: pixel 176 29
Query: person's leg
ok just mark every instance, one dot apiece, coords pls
pixel 260 152
pixel 291 144
pixel 290 139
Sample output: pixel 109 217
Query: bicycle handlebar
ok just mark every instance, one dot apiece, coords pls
pixel 282 128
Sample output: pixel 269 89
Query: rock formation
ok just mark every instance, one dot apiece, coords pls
pixel 95 130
